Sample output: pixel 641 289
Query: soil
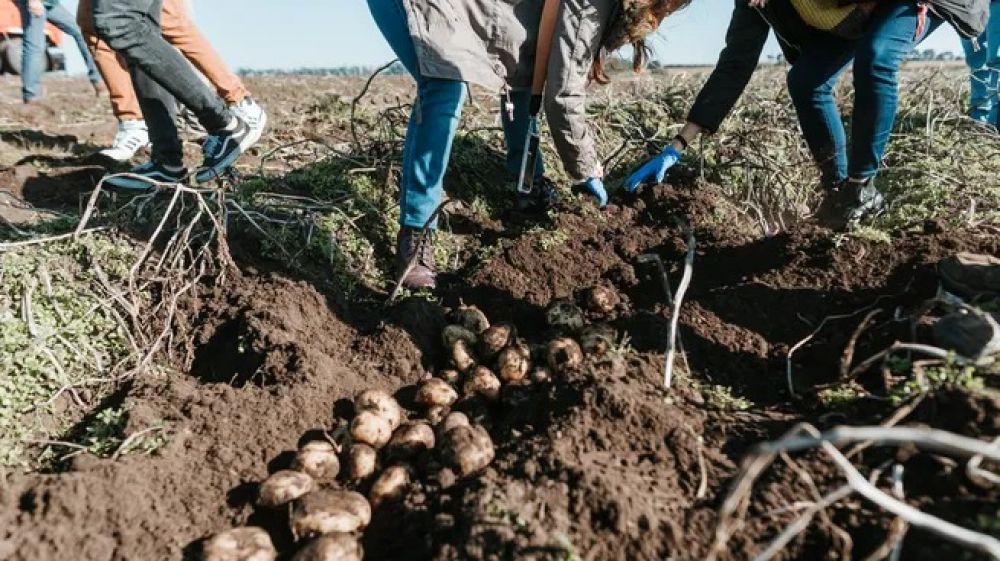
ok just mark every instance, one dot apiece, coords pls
pixel 601 464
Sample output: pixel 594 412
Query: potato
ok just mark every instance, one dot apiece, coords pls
pixel 336 547
pixel 436 393
pixel 454 333
pixel 597 339
pixel 471 318
pixel 450 375
pixel 462 356
pixel 513 363
pixel 437 414
pixel 239 544
pixel 602 300
pixel 370 428
pixel 467 449
pixel 454 419
pixel 564 355
pixel 284 486
pixel 391 485
pixel 330 511
pixel 318 459
pixel 564 316
pixel 494 339
pixel 381 403
pixel 360 462
pixel 541 375
pixel 482 382
pixel 410 439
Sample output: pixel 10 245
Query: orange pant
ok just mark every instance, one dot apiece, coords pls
pixel 179 31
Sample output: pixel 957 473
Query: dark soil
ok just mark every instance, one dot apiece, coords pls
pixel 602 464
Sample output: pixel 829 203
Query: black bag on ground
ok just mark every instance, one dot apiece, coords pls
pixel 970 333
pixel 970 276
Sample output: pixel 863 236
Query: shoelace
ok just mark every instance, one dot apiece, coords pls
pixel 213 143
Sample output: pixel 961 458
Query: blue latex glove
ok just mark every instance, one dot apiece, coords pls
pixel 653 169
pixel 595 188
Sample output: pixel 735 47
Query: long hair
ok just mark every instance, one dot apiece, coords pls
pixel 632 23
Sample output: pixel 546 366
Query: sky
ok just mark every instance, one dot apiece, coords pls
pixel 261 34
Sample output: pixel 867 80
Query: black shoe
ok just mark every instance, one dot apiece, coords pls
pixel 146 176
pixel 849 203
pixel 542 196
pixel 412 245
pixel 223 148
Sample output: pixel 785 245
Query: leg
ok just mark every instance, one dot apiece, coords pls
pixel 132 28
pixel 992 48
pixel 810 83
pixel 32 53
pixel 979 97
pixel 891 36
pixel 160 110
pixel 124 103
pixel 182 33
pixel 515 131
pixel 432 126
pixel 61 18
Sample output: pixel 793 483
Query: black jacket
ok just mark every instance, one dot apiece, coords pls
pixel 745 39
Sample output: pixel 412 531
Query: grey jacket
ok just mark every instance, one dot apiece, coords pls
pixel 492 43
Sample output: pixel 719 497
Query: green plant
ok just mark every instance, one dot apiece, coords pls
pixel 932 378
pixel 839 396
pixel 721 397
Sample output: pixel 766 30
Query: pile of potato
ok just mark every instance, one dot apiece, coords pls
pixel 385 447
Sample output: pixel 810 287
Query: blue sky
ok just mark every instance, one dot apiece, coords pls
pixel 297 33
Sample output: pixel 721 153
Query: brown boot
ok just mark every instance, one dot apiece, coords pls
pixel 414 246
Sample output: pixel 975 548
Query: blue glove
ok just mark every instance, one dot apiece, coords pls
pixel 653 169
pixel 595 188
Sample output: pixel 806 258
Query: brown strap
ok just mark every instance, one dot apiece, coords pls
pixel 546 29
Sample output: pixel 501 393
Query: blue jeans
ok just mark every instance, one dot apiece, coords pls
pixel 430 133
pixel 877 57
pixel 33 61
pixel 984 103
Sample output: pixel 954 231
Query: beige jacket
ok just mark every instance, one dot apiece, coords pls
pixel 492 43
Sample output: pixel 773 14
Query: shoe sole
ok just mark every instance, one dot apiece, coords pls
pixel 132 184
pixel 204 175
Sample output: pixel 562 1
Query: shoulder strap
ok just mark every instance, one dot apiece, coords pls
pixel 546 29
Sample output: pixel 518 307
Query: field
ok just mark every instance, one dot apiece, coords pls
pixel 161 355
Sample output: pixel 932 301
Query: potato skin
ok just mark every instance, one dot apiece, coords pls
pixel 435 392
pixel 335 547
pixel 602 300
pixel 318 459
pixel 390 485
pixel 468 449
pixel 435 415
pixel 494 339
pixel 360 462
pixel 597 339
pixel 368 427
pixel 513 363
pixel 482 381
pixel 380 403
pixel 330 511
pixel 462 356
pixel 564 355
pixel 410 439
pixel 240 544
pixel 454 419
pixel 284 486
pixel 565 316
pixel 455 333
pixel 471 318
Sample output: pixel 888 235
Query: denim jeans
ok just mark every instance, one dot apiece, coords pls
pixel 33 60
pixel 430 133
pixel 984 102
pixel 160 73
pixel 877 57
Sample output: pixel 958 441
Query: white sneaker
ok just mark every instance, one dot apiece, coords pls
pixel 253 115
pixel 131 137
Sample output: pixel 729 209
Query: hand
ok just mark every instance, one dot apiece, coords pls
pixel 36 8
pixel 595 188
pixel 653 169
